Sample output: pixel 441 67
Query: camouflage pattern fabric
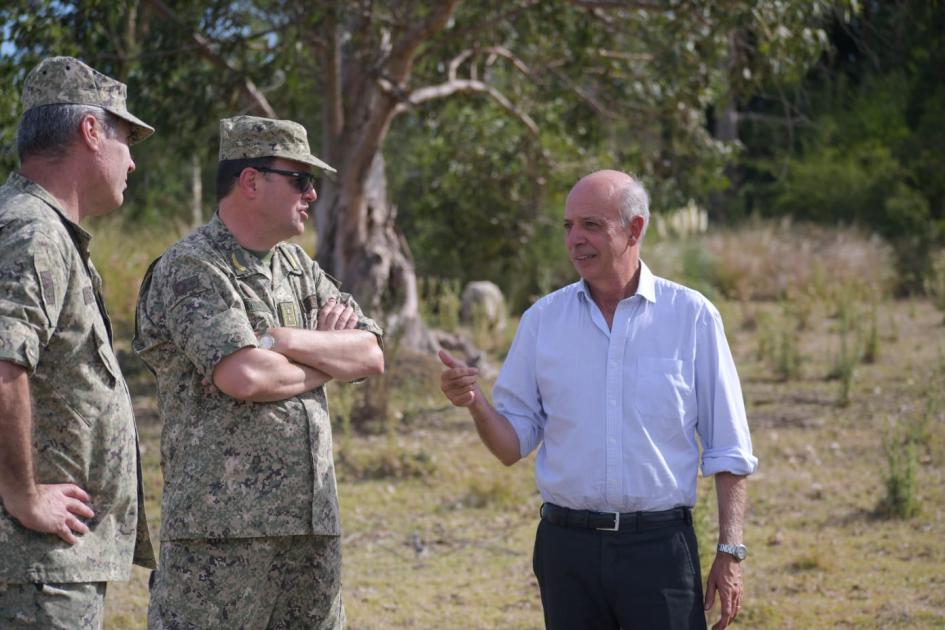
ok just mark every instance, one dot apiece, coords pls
pixel 287 583
pixel 83 426
pixel 47 606
pixel 236 469
pixel 245 137
pixel 68 81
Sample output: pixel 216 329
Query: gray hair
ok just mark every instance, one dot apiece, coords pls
pixel 48 130
pixel 634 202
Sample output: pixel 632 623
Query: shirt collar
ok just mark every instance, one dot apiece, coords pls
pixel 243 261
pixel 646 287
pixel 28 186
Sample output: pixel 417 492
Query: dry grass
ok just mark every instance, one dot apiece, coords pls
pixel 767 260
pixel 122 254
pixel 451 548
pixel 438 534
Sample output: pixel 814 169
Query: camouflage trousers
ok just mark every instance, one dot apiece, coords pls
pixel 252 583
pixel 47 606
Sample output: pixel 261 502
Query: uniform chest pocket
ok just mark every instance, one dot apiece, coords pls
pixel 90 386
pixel 663 387
pixel 260 318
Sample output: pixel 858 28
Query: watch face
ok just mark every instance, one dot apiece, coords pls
pixel 267 341
pixel 740 552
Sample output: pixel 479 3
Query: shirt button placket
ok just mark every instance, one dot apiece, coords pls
pixel 614 406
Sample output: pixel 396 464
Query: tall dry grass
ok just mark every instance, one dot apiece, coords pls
pixel 775 260
pixel 122 253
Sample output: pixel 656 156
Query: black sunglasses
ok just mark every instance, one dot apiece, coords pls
pixel 301 181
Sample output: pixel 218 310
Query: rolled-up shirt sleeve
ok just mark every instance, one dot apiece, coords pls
pixel 516 395
pixel 33 281
pixel 722 423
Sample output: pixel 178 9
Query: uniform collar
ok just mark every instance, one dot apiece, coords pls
pixel 646 287
pixel 241 260
pixel 81 237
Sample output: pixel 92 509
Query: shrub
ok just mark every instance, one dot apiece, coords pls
pixel 901 483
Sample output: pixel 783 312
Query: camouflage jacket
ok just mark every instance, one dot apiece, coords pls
pixel 236 469
pixel 53 323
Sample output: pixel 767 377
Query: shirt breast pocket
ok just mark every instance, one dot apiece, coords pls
pixel 89 388
pixel 258 314
pixel 663 387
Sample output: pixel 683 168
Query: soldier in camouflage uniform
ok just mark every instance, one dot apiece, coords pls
pixel 242 331
pixel 72 515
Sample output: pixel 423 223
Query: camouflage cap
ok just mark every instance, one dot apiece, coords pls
pixel 68 81
pixel 245 137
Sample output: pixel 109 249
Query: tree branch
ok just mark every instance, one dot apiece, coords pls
pixel 249 89
pixel 653 7
pixel 404 51
pixel 456 86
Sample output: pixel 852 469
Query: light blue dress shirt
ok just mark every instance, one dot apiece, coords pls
pixel 616 411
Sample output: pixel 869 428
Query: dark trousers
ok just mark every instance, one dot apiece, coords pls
pixel 647 579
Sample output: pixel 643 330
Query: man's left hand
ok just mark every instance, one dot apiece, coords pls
pixel 725 577
pixel 336 316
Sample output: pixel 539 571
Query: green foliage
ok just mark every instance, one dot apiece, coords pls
pixel 439 302
pixel 901 480
pixel 788 358
pixel 872 151
pixel 845 364
pixel 779 342
pixel 871 343
pixel 935 281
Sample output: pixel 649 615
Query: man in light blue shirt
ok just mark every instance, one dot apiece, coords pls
pixel 612 378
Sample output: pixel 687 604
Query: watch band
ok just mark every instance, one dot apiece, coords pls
pixel 739 552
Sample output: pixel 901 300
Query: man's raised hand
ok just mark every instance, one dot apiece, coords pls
pixel 458 381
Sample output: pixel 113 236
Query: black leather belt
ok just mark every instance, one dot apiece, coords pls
pixel 614 521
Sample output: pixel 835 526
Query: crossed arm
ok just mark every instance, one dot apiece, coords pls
pixel 50 508
pixel 301 359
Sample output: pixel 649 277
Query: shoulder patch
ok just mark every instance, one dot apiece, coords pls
pixel 88 295
pixel 187 286
pixel 49 286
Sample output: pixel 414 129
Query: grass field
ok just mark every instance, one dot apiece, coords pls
pixel 437 534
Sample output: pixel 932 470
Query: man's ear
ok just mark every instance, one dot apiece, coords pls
pixel 247 182
pixel 91 132
pixel 637 224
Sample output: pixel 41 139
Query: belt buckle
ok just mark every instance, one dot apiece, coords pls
pixel 616 526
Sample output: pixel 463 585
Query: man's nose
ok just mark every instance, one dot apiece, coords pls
pixel 574 237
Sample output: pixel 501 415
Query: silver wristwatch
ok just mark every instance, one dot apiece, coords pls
pixel 739 552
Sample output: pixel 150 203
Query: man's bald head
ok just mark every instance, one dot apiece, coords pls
pixel 615 187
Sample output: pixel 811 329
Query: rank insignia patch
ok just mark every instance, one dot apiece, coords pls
pixel 289 315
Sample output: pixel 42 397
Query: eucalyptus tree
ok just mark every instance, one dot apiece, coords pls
pixel 581 84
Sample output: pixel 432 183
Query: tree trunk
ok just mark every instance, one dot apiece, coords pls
pixel 371 256
pixel 358 238
pixel 721 203
pixel 196 191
